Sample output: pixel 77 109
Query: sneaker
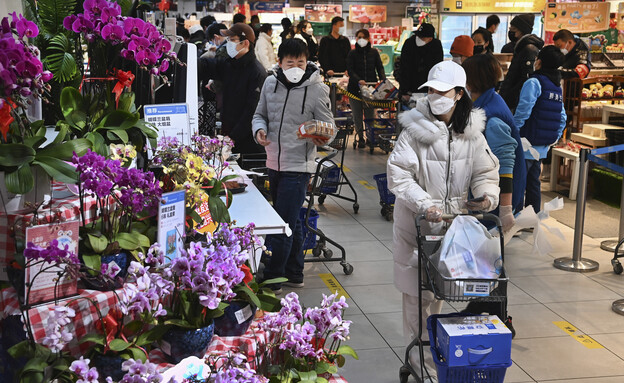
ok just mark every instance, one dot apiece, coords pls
pixel 276 289
pixel 294 284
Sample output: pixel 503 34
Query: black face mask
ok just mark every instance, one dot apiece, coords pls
pixel 478 49
pixel 512 36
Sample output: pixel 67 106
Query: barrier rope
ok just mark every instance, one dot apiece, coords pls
pixel 376 104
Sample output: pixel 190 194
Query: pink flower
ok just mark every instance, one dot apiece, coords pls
pixel 164 66
pixel 26 28
pixel 146 57
pixel 112 32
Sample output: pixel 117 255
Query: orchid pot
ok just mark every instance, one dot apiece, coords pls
pixel 179 342
pixel 236 319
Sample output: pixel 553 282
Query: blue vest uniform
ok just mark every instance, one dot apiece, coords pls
pixel 542 128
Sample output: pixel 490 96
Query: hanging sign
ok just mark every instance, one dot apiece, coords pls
pixel 322 13
pixel 171 215
pixel 419 13
pixel 577 17
pixel 171 120
pixel 494 6
pixel 265 6
pixel 368 14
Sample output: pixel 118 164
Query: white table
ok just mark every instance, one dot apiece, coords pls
pixel 558 153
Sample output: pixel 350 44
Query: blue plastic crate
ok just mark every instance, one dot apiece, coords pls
pixel 385 195
pixel 330 183
pixel 463 374
pixel 309 238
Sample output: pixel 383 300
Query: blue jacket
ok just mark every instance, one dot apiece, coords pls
pixel 503 137
pixel 531 91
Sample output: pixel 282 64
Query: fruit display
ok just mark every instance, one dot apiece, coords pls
pixel 615 48
pixel 598 91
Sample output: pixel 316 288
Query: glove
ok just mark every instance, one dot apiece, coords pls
pixel 479 206
pixel 433 214
pixel 505 213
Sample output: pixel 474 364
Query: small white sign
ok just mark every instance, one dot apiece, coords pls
pixel 171 214
pixel 171 120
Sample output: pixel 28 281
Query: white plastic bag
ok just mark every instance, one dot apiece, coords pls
pixel 468 250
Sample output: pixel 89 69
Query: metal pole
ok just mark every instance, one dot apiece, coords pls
pixel 332 96
pixel 610 245
pixel 576 263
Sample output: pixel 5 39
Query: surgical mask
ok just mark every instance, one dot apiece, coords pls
pixel 564 51
pixel 420 42
pixel 310 31
pixel 362 42
pixel 457 59
pixel 439 104
pixel 342 31
pixel 478 49
pixel 231 48
pixel 512 36
pixel 294 74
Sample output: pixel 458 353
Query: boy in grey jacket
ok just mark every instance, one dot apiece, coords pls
pixel 294 95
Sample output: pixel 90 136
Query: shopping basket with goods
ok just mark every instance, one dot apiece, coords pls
pixel 386 198
pixel 375 129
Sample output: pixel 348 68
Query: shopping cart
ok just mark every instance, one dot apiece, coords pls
pixel 323 167
pixel 332 176
pixel 386 198
pixel 376 128
pixel 615 262
pixel 451 290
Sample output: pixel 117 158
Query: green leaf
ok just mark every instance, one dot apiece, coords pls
pixel 93 262
pixel 121 134
pixel 98 244
pixel 144 241
pixel 126 102
pixel 218 210
pixel 36 365
pixel 52 13
pixel 63 129
pixel 273 281
pixel 65 150
pixel 309 376
pixel 71 101
pixel 95 338
pixel 16 155
pixel 57 169
pixel 32 377
pixel 21 349
pixel 340 361
pixel 127 241
pixel 269 303
pixel 20 181
pixel 34 142
pixel 152 335
pixel 179 322
pixel 118 345
pixel 137 353
pixel 99 144
pixel 323 367
pixel 253 298
pixel 60 60
pixel 118 119
pixel 126 6
pixel 347 350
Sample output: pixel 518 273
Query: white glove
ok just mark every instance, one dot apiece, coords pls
pixel 505 213
pixel 479 205
pixel 433 214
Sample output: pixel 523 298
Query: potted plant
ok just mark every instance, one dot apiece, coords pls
pixel 22 151
pixel 306 346
pixel 123 196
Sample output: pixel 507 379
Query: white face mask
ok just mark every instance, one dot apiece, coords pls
pixel 564 51
pixel 342 31
pixel 294 74
pixel 457 59
pixel 231 48
pixel 439 104
pixel 310 31
pixel 420 42
pixel 362 42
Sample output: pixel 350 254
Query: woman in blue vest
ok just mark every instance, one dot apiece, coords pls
pixel 502 135
pixel 541 117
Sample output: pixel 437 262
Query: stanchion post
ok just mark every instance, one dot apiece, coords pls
pixel 576 263
pixel 610 245
pixel 332 96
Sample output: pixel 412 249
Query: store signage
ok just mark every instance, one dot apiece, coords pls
pixel 368 14
pixel 577 17
pixel 43 278
pixel 264 6
pixel 322 13
pixel 171 215
pixel 171 120
pixel 494 6
pixel 620 16
pixel 420 13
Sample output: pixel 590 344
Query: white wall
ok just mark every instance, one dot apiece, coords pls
pixel 10 6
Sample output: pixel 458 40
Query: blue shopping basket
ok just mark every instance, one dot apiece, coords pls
pixel 309 238
pixel 385 196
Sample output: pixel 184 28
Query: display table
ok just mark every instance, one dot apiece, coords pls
pixel 557 154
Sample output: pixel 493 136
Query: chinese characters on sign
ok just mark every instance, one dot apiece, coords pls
pixel 171 215
pixel 171 120
pixel 493 6
pixel 322 13
pixel 577 17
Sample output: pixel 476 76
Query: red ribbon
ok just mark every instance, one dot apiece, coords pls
pixel 111 325
pixel 6 118
pixel 124 80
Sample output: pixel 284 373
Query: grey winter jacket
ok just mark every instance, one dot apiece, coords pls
pixel 281 111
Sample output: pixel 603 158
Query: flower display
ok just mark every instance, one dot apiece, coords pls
pixel 232 368
pixel 85 374
pixel 140 372
pixel 51 253
pixel 57 335
pixel 122 153
pixel 137 40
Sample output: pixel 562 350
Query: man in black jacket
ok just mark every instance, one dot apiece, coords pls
pixel 576 63
pixel 419 54
pixel 242 76
pixel 334 49
pixel 525 53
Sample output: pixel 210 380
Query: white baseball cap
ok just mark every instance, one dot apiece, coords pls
pixel 445 76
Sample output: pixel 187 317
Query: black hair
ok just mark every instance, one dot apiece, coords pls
pixel 336 20
pixel 365 32
pixel 564 35
pixel 461 114
pixel 184 33
pixel 265 28
pixel 487 36
pixel 492 20
pixel 293 48
pixel 286 23
pixel 254 17
pixel 551 58
pixel 239 18
pixel 206 21
pixel 215 29
pixel 302 25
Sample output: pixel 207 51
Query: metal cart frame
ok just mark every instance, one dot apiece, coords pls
pixel 448 289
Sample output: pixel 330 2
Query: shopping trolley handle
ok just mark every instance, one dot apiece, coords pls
pixel 449 217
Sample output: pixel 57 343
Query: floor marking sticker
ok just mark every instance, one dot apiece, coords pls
pixel 344 168
pixel 585 340
pixel 333 285
pixel 366 185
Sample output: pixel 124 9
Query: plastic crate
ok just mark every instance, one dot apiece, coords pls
pixel 382 185
pixel 309 238
pixel 330 183
pixel 377 126
pixel 463 374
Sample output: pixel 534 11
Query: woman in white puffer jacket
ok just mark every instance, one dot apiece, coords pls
pixel 265 53
pixel 438 157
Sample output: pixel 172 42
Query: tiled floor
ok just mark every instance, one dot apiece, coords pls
pixel 539 295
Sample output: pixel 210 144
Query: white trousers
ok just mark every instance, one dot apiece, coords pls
pixel 411 323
